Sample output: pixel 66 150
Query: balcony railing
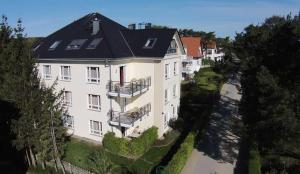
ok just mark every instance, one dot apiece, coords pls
pixel 129 89
pixel 127 119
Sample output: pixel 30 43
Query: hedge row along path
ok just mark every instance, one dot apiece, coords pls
pixel 218 150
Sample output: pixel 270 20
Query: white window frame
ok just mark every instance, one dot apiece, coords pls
pixel 167 71
pixel 91 106
pixel 175 68
pixel 63 76
pixel 91 79
pixel 47 76
pixel 94 131
pixel 67 125
pixel 166 96
pixel 174 90
pixel 67 103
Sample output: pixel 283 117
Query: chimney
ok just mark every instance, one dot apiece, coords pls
pixel 96 26
pixel 147 25
pixel 131 26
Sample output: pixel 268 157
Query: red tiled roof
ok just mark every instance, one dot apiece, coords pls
pixel 192 45
pixel 211 45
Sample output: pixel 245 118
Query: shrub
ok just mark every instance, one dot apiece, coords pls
pixel 134 148
pixel 179 159
pixel 254 166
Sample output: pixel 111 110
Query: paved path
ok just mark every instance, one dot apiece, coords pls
pixel 218 150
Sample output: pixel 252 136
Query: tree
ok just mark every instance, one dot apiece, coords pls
pixel 38 128
pixel 270 83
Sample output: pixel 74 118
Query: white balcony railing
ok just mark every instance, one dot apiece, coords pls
pixel 127 119
pixel 129 89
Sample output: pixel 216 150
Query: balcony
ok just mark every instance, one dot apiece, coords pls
pixel 129 89
pixel 127 119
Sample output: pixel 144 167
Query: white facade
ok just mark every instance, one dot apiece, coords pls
pixel 102 94
pixel 189 66
pixel 213 54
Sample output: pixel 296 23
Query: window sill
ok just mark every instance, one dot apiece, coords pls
pixel 47 78
pixel 97 110
pixel 94 83
pixel 65 80
pixel 97 135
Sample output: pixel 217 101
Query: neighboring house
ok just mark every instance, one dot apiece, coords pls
pixel 192 61
pixel 114 79
pixel 212 52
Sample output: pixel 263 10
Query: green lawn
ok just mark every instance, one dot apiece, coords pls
pixel 207 79
pixel 77 152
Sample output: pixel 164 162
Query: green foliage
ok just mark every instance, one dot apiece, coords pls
pixel 270 80
pixel 98 161
pixel 133 148
pixel 179 159
pixel 254 165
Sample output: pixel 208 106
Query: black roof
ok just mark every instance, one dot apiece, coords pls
pixel 117 41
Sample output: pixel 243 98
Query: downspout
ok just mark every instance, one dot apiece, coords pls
pixel 110 87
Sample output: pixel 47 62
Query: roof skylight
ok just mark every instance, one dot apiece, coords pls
pixel 76 44
pixel 54 45
pixel 150 43
pixel 94 43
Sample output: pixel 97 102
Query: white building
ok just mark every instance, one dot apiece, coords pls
pixel 114 79
pixel 213 53
pixel 192 61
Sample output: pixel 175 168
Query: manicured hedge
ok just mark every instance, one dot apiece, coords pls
pixel 134 148
pixel 254 165
pixel 179 159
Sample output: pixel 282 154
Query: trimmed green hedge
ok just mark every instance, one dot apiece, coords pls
pixel 134 148
pixel 254 165
pixel 179 159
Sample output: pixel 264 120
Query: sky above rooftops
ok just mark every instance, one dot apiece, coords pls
pixel 225 17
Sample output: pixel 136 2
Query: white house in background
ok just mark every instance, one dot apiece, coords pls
pixel 212 52
pixel 192 61
pixel 114 79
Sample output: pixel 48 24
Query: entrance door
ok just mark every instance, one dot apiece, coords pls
pixel 123 131
pixel 122 75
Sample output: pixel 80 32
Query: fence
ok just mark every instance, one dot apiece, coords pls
pixel 72 169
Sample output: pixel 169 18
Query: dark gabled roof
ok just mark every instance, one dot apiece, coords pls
pixel 136 39
pixel 117 42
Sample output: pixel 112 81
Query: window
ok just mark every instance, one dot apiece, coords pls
pixel 94 102
pixel 95 127
pixel 47 72
pixel 166 117
pixel 76 44
pixel 150 43
pixel 167 71
pixel 67 96
pixel 36 47
pixel 174 111
pixel 94 43
pixel 65 73
pixel 68 121
pixel 209 52
pixel 93 74
pixel 174 90
pixel 54 45
pixel 166 96
pixel 175 68
pixel 172 48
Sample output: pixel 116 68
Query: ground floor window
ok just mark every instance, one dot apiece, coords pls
pixel 68 121
pixel 95 127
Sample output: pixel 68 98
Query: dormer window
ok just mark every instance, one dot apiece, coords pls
pixel 76 44
pixel 54 45
pixel 94 43
pixel 150 43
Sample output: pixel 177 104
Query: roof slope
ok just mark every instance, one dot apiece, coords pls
pixel 192 44
pixel 117 40
pixel 137 39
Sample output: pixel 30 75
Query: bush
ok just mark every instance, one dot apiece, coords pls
pixel 134 148
pixel 254 166
pixel 179 159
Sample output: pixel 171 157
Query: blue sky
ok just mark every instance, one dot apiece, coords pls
pixel 225 17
